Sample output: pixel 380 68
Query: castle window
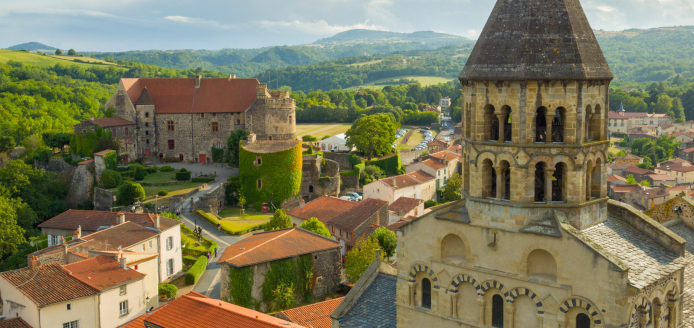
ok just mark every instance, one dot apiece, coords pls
pixel 180 157
pixel 147 141
pixel 497 311
pixel 146 124
pixel 558 192
pixel 426 293
pixel 582 321
pixel 146 133
pixel 259 160
pixel 171 144
pixel 541 125
pixel 169 125
pixel 215 126
pixel 541 264
pixel 310 189
pixel 259 183
pixel 540 182
pixel 146 114
pixel 558 125
pixel 202 115
pixel 269 137
pixel 452 248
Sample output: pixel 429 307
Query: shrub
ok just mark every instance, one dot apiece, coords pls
pixel 166 169
pixel 183 170
pixel 111 179
pixel 196 270
pixel 189 259
pixel 201 179
pixel 139 174
pixel 162 193
pixel 128 173
pixel 136 166
pixel 182 176
pixel 130 192
pixel 122 169
pixel 390 165
pixel 152 169
pixel 430 203
pixel 168 290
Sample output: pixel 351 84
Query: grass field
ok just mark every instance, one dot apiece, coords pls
pixel 366 63
pixel 189 239
pixel 151 191
pixel 160 177
pixel 423 80
pixel 320 130
pixel 46 61
pixel 232 220
pixel 615 147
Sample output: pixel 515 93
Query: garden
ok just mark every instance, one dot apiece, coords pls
pixel 233 223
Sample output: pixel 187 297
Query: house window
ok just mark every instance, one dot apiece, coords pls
pixel 146 124
pixel 135 267
pixel 143 247
pixel 72 324
pixel 171 144
pixel 259 183
pixel 202 115
pixel 113 132
pixel 215 126
pixel 169 125
pixel 69 306
pixel 146 132
pixel 124 308
pixel 147 141
pixel 150 244
pixel 169 267
pixel 169 243
pixel 146 114
pixel 122 291
pixel 214 114
pixel 126 131
pixel 238 121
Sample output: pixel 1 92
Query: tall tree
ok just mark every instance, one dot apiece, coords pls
pixel 315 226
pixel 373 134
pixel 58 52
pixel 11 234
pixel 386 240
pixel 359 258
pixel 279 220
pixel 71 52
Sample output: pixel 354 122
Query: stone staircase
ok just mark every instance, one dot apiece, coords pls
pixel 152 160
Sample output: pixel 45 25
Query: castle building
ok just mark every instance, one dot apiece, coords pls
pixel 184 118
pixel 535 241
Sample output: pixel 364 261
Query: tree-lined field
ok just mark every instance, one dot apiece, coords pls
pixel 49 60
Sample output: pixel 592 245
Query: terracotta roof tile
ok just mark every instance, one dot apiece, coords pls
pixel 48 284
pixel 407 180
pixel 102 272
pixel 688 150
pixel 139 322
pixel 449 153
pixel 92 220
pixel 404 205
pixel 615 178
pixel 196 310
pixel 625 189
pixel 636 170
pixel 274 245
pixel 434 164
pixel 14 323
pixel 628 157
pixel 111 122
pixel 618 166
pixel 655 193
pixel 103 152
pixel 324 208
pixel 316 315
pixel 660 177
pixel 175 95
pixel 85 162
pixel 355 216
pixel 397 224
pixel 684 169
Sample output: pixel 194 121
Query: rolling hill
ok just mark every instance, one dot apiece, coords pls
pixel 32 46
pixel 370 36
pixel 50 60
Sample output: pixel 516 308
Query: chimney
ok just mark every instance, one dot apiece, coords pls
pixel 79 232
pixel 121 218
pixel 197 81
pixel 123 263
pixel 232 76
pixel 395 183
pixel 251 138
pixel 65 252
pixel 302 203
pixel 34 262
pixel 156 221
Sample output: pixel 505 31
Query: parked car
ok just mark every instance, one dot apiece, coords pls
pixel 355 196
pixel 349 198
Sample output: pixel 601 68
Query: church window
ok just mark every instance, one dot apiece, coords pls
pixel 259 183
pixel 508 127
pixel 594 129
pixel 468 121
pixel 215 126
pixel 488 179
pixel 426 293
pixel 541 264
pixel 171 144
pixel 541 125
pixel 595 179
pixel 491 124
pixel 290 119
pixel 497 311
pixel 558 192
pixel 505 171
pixel 558 125
pixel 540 182
pixel 452 248
pixel 582 321
pixel 169 125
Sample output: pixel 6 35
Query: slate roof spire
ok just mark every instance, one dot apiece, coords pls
pixel 537 40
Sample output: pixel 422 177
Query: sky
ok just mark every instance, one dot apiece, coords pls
pixel 122 25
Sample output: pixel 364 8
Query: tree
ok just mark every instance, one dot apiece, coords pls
pixel 6 143
pixel 11 234
pixel 373 134
pixel 315 226
pixel 359 258
pixel 57 140
pixel 58 52
pixel 452 190
pixel 308 138
pixel 647 164
pixel 233 190
pixel 233 146
pixel 279 220
pixel 139 174
pixel 631 180
pixel 42 191
pixel 111 179
pixel 130 192
pixel 645 183
pixel 71 52
pixel 386 239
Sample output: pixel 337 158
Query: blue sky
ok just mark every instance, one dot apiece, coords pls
pixel 100 25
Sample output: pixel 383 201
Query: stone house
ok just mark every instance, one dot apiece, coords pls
pixel 683 137
pixel 184 118
pixel 324 209
pixel 660 180
pixel 616 180
pixel 683 174
pixel 417 184
pixel 617 168
pixel 261 249
pixel 129 231
pixel 319 177
pixel 95 292
pixel 436 146
pixel 405 208
pixel 647 198
pixel 121 129
pixel 441 165
pixel 629 158
pixel 638 173
pixel 686 153
pixel 619 192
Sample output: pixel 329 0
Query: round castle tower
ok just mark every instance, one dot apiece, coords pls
pixel 534 134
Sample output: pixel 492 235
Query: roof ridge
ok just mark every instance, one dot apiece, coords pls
pixel 206 302
pixel 261 244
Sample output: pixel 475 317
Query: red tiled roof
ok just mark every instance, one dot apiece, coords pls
pixel 111 122
pixel 196 310
pixel 656 193
pixel 274 245
pixel 139 322
pixel 615 178
pixel 408 180
pixel 625 189
pixel 92 220
pixel 628 157
pixel 619 166
pixel 660 177
pixel 14 323
pixel 102 272
pixel 615 115
pixel 449 153
pixel 404 205
pixel 636 170
pixel 103 152
pixel 355 216
pixel 669 167
pixel 85 162
pixel 684 169
pixel 688 150
pixel 397 224
pixel 175 95
pixel 324 208
pixel 316 315
pixel 48 284
pixel 434 164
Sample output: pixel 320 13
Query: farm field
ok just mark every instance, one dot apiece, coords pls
pixel 320 130
pixel 423 80
pixel 46 61
pixel 366 63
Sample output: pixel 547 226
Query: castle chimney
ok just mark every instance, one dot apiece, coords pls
pixel 79 231
pixel 156 221
pixel 34 262
pixel 197 81
pixel 123 263
pixel 121 218
pixel 232 76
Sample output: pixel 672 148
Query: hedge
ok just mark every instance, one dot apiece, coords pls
pixel 390 165
pixel 189 259
pixel 195 252
pixel 111 160
pixel 182 176
pixel 166 169
pixel 201 179
pixel 136 166
pixel 168 290
pixel 196 270
pixel 162 193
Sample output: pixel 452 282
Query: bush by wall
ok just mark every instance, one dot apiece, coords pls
pixel 111 160
pixel 166 169
pixel 391 165
pixel 168 290
pixel 127 173
pixel 130 192
pixel 162 193
pixel 139 174
pixel 227 227
pixel 196 271
pixel 189 259
pixel 241 286
pixel 182 175
pixel 201 179
pixel 280 174
pixel 111 179
pixel 295 272
pixel 136 166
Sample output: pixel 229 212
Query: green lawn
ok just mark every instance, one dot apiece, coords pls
pixel 414 140
pixel 44 61
pixel 151 191
pixel 231 219
pixel 191 241
pixel 423 80
pixel 160 177
pixel 320 130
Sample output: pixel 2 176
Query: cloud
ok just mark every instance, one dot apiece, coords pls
pixel 320 27
pixel 63 12
pixel 472 33
pixel 201 22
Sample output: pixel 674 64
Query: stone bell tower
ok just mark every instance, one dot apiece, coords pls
pixel 535 103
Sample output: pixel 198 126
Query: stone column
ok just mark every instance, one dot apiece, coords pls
pixel 500 183
pixel 413 287
pixel 502 123
pixel 656 315
pixel 454 305
pixel 587 130
pixel 643 318
pixel 672 314
pixel 540 320
pixel 508 315
pixel 548 184
pixel 548 130
pixel 482 304
pixel 588 178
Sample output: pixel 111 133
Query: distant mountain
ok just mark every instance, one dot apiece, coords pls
pixel 372 36
pixel 31 46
